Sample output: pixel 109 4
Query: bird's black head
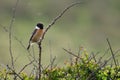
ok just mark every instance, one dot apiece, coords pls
pixel 40 25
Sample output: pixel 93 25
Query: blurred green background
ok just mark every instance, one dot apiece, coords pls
pixel 87 25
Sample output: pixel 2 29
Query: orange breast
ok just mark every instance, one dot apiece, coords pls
pixel 37 35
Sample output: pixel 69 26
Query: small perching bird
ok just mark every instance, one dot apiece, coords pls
pixel 36 35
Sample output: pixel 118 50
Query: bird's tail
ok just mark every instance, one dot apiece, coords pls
pixel 28 47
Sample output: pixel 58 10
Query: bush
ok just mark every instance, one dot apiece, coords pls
pixel 83 69
pixel 80 68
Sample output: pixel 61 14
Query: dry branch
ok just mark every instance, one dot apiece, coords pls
pixel 20 42
pixel 58 17
pixel 26 66
pixel 113 56
pixel 71 53
pixel 10 33
pixel 39 64
pixel 15 73
pixel 49 26
pixel 15 37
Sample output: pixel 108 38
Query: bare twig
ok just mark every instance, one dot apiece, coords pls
pixel 52 62
pixel 94 57
pixel 57 18
pixel 15 37
pixel 101 57
pixel 14 72
pixel 39 64
pixel 20 42
pixel 33 55
pixel 52 59
pixel 10 33
pixel 113 56
pixel 49 26
pixel 26 66
pixel 71 53
pixel 116 51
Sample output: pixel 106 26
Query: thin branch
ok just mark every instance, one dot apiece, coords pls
pixel 26 66
pixel 94 57
pixel 49 26
pixel 20 42
pixel 39 64
pixel 115 54
pixel 71 53
pixel 10 33
pixel 101 57
pixel 57 18
pixel 111 51
pixel 14 72
pixel 52 62
pixel 15 37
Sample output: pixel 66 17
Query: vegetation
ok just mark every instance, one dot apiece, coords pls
pixel 82 67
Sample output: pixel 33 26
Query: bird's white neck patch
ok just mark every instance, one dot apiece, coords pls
pixel 37 27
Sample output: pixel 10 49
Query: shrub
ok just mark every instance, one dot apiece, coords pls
pixel 80 68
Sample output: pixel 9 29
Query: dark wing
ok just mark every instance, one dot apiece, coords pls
pixel 32 34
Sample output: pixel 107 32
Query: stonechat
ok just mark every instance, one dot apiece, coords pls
pixel 36 35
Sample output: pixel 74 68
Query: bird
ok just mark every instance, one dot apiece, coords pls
pixel 36 35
